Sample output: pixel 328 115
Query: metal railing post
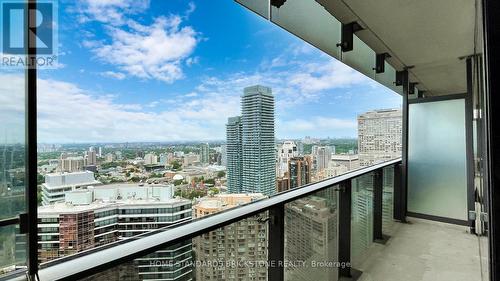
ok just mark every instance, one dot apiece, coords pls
pixel 399 195
pixel 378 177
pixel 344 225
pixel 276 243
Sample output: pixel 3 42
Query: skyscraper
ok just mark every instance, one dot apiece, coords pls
pixel 379 136
pixel 285 151
pixel 69 163
pixel 223 152
pixel 322 157
pixel 90 157
pixel 204 153
pixel 259 170
pixel 234 154
pixel 299 171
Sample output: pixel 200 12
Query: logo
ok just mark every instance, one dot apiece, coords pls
pixel 28 43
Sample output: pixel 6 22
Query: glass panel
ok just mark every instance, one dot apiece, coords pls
pixel 12 138
pixel 12 249
pixel 361 58
pixel 310 21
pixel 388 77
pixel 436 159
pixel 388 201
pixel 234 252
pixel 260 7
pixel 12 188
pixel 12 142
pixel 361 218
pixel 311 236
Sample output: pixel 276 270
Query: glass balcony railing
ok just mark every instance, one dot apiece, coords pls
pixel 299 234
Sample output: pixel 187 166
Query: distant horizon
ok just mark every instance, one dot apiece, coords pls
pixel 187 141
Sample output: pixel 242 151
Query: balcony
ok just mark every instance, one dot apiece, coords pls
pixel 429 215
pixel 426 250
pixel 347 227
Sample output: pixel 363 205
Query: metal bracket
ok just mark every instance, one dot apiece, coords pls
pixel 399 78
pixel 380 62
pixel 483 216
pixel 338 188
pixel 277 3
pixel 263 220
pixel 411 88
pixel 23 223
pixel 348 31
pixel 472 215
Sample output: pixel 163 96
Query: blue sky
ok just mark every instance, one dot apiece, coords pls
pixel 174 70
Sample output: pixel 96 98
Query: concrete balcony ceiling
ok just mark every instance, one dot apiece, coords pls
pixel 431 38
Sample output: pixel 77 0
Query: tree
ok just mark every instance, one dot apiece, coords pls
pixel 135 179
pixel 156 175
pixel 40 179
pixel 221 174
pixel 176 165
pixel 210 181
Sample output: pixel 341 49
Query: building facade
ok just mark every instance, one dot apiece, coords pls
pixel 71 163
pixel 299 171
pixel 245 240
pixel 109 213
pixel 322 157
pixel 286 151
pixel 150 159
pixel 234 153
pixel 259 160
pixel 379 136
pixel 311 233
pixel 57 184
pixel 204 153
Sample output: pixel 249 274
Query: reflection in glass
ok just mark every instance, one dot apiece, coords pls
pixel 12 143
pixel 12 249
pixel 311 236
pixel 388 77
pixel 234 252
pixel 310 21
pixel 361 58
pixel 388 200
pixel 361 218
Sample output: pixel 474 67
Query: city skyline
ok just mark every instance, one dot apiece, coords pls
pixel 186 94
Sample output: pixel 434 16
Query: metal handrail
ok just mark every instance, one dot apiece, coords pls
pixel 94 262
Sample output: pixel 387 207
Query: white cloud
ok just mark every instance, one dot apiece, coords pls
pixel 12 108
pixel 149 52
pixel 114 12
pixel 191 8
pixel 67 113
pixel 192 60
pixel 112 74
pixel 293 82
pixel 320 76
pixel 320 124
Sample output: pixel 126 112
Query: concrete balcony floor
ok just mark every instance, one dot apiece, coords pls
pixel 428 251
